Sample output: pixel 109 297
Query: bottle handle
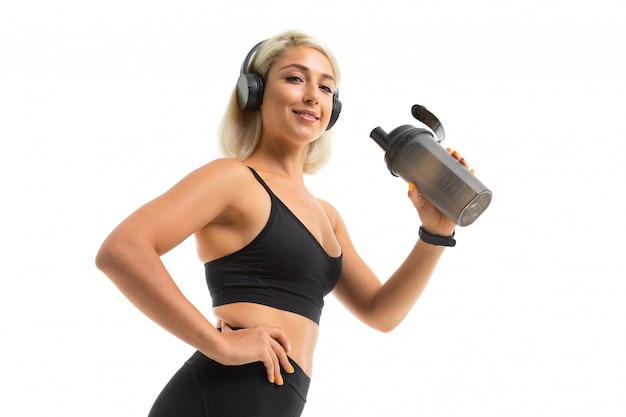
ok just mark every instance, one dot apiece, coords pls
pixel 422 114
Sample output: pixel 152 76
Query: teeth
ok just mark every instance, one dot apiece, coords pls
pixel 310 116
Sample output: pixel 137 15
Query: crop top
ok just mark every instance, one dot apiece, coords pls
pixel 284 267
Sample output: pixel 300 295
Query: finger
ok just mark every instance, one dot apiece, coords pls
pixel 466 165
pixel 277 345
pixel 415 196
pixel 455 154
pixel 458 157
pixel 280 347
pixel 270 368
pixel 278 377
pixel 226 327
pixel 414 193
pixel 279 336
pixel 412 190
pixel 272 362
pixel 283 358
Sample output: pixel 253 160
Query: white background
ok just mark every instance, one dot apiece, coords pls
pixel 104 105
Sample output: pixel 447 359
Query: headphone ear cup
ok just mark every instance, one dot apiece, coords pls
pixel 250 91
pixel 334 115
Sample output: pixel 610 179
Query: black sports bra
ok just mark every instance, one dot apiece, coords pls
pixel 284 267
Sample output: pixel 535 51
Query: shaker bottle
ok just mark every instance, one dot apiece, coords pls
pixel 414 155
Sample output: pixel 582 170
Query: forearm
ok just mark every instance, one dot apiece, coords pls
pixel 139 274
pixel 399 293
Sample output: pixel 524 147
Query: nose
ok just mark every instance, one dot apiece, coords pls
pixel 312 94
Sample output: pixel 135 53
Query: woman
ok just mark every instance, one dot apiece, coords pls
pixel 271 250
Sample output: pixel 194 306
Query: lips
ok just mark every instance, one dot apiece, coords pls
pixel 307 114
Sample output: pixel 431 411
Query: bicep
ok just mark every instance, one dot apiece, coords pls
pixel 358 285
pixel 189 205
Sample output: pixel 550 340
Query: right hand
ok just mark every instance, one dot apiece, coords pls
pixel 258 344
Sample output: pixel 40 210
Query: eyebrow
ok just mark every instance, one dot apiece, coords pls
pixel 307 69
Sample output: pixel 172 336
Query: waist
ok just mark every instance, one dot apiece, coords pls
pixel 301 332
pixel 301 304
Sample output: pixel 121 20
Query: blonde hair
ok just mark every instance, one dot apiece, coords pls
pixel 240 130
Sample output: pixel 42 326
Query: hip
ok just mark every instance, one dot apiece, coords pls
pixel 204 387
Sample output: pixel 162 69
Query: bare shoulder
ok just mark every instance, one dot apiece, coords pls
pixel 207 192
pixel 223 170
pixel 220 178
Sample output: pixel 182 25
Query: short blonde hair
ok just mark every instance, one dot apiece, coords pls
pixel 240 130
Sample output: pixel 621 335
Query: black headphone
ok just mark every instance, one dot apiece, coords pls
pixel 250 87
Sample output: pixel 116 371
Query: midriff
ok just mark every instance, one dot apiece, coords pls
pixel 301 332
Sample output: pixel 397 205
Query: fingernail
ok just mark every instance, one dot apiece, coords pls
pixel 291 370
pixel 472 171
pixel 455 153
pixel 449 150
pixel 272 380
pixel 411 187
pixel 280 381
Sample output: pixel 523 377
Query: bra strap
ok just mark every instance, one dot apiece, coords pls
pixel 259 179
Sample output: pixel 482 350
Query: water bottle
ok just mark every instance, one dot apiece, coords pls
pixel 416 156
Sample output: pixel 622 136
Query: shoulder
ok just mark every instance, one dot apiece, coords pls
pixel 217 190
pixel 224 169
pixel 223 173
pixel 217 183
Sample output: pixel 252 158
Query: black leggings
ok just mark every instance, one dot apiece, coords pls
pixel 205 388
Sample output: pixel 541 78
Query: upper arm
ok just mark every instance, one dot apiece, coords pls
pixel 195 201
pixel 358 285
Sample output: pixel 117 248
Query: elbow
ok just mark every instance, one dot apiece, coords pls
pixel 386 327
pixel 378 317
pixel 104 258
pixel 109 256
pixel 119 257
pixel 381 324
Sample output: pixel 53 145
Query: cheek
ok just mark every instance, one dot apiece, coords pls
pixel 328 107
pixel 273 108
pixel 275 99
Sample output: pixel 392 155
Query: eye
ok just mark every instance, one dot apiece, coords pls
pixel 326 89
pixel 293 79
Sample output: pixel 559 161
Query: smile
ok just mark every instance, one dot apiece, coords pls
pixel 307 115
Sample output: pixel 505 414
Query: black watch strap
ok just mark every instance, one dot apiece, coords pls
pixel 436 239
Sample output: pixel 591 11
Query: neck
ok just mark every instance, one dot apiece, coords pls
pixel 288 163
pixel 287 167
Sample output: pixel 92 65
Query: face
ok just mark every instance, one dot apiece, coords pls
pixel 297 101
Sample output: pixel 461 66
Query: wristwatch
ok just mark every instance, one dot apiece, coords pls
pixel 436 239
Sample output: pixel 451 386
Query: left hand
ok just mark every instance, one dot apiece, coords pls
pixel 433 220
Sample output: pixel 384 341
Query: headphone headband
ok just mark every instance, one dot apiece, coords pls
pixel 245 65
